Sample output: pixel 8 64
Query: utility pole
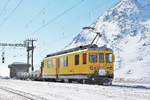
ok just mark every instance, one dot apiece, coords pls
pixel 30 47
pixel 28 54
pixel 28 44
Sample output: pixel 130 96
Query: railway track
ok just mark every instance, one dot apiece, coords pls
pixel 133 87
pixel 21 94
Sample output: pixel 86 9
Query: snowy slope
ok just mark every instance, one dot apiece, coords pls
pixel 125 28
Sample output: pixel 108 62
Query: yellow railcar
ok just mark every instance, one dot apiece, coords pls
pixel 88 63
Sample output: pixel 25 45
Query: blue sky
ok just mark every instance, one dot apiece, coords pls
pixel 31 14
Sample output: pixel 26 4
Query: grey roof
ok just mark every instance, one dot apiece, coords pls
pixel 89 47
pixel 14 64
pixel 71 50
pixel 19 63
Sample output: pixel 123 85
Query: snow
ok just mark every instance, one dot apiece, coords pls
pixel 4 70
pixel 126 30
pixel 5 96
pixel 135 59
pixel 71 91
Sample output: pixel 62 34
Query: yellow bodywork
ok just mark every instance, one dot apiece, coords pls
pixel 53 67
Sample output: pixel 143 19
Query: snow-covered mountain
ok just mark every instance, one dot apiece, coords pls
pixel 126 29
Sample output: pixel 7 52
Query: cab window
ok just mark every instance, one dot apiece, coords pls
pixel 84 57
pixel 101 57
pixel 93 57
pixel 76 59
pixel 109 57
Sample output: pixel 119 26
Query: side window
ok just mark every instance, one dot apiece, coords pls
pixel 66 61
pixel 77 60
pixel 93 57
pixel 84 57
pixel 54 62
pixel 49 63
pixel 109 57
pixel 61 61
pixel 101 57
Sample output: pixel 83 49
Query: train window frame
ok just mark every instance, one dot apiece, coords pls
pixel 49 63
pixel 66 61
pixel 84 58
pixel 108 58
pixel 61 61
pixel 101 57
pixel 96 56
pixel 54 62
pixel 77 59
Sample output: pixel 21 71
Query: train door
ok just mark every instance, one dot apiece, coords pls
pixel 41 68
pixel 57 68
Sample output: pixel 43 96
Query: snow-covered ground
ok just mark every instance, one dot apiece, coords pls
pixel 31 90
pixel 5 96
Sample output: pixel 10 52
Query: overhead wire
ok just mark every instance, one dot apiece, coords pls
pixel 12 11
pixel 5 6
pixel 35 17
pixel 91 18
pixel 56 17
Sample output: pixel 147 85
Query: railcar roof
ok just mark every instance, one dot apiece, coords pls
pixel 89 47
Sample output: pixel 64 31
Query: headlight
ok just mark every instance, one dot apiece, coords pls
pixel 102 72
